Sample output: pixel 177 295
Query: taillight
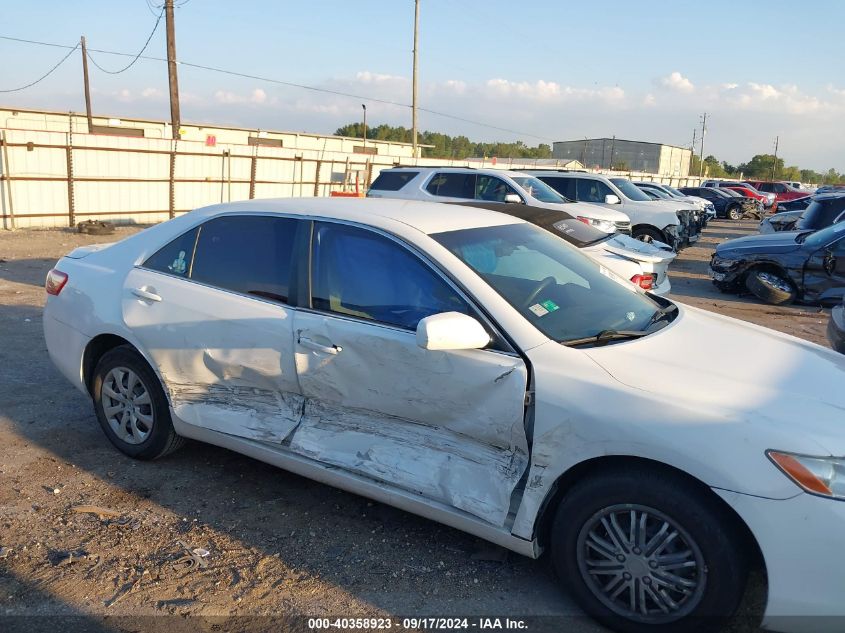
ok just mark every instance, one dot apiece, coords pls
pixel 56 280
pixel 646 282
pixel 584 220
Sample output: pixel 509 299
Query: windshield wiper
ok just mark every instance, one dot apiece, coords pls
pixel 605 336
pixel 662 313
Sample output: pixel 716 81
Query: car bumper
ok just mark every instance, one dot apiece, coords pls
pixel 66 347
pixel 801 542
pixel 836 329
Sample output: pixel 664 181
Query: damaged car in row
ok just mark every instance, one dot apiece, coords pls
pixel 479 371
pixel 782 267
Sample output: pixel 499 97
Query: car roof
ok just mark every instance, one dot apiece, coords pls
pixel 459 170
pixel 426 217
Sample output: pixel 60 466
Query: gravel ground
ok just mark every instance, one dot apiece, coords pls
pixel 278 546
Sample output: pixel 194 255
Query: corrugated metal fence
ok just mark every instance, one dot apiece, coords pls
pixel 54 179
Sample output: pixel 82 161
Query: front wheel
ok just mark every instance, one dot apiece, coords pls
pixel 735 213
pixel 642 551
pixel 770 286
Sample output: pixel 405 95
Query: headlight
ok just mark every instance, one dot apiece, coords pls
pixel 602 225
pixel 823 476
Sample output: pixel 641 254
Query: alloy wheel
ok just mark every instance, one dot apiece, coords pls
pixel 127 405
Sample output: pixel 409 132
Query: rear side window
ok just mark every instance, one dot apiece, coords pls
pixel 592 190
pixel 393 180
pixel 362 274
pixel 247 254
pixel 452 185
pixel 176 257
pixel 564 186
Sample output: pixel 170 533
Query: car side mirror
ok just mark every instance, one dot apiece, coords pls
pixel 612 199
pixel 513 198
pixel 450 331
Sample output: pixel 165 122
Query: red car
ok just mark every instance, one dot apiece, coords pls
pixel 782 190
pixel 753 193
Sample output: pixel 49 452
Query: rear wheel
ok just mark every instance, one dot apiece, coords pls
pixel 770 286
pixel 643 551
pixel 131 405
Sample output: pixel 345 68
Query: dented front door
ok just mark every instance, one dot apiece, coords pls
pixel 447 425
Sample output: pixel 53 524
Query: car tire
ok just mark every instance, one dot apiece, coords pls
pixel 705 541
pixel 131 405
pixel 646 234
pixel 770 286
pixel 735 212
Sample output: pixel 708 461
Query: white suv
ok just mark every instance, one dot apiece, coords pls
pixel 675 223
pixel 456 184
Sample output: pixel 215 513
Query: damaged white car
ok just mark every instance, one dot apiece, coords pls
pixel 479 371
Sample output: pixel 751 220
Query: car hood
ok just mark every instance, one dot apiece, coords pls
pixel 740 372
pixel 769 243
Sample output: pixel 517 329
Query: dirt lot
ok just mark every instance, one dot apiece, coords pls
pixel 277 545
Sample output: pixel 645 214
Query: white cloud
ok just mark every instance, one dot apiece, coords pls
pixel 649 100
pixel 677 82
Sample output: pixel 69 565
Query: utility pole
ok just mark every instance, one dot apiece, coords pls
pixel 414 95
pixel 775 161
pixel 364 105
pixel 87 86
pixel 701 155
pixel 171 69
pixel 692 151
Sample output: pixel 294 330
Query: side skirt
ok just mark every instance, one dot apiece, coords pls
pixel 356 484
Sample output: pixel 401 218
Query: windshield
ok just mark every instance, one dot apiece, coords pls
pixel 538 189
pixel 563 293
pixel 673 191
pixel 824 236
pixel 630 190
pixel 730 192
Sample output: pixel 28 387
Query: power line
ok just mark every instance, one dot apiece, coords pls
pixel 137 57
pixel 280 82
pixel 45 75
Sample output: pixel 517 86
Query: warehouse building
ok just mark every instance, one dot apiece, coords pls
pixel 622 155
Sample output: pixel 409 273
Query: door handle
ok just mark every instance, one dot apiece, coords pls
pixel 326 349
pixel 146 294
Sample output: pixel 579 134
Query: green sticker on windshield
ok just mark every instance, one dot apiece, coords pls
pixel 550 305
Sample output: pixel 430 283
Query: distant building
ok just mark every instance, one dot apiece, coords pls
pixel 609 153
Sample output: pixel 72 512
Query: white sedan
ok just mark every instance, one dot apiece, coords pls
pixel 477 370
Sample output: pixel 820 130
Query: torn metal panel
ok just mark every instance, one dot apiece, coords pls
pixel 449 425
pixel 259 414
pixel 432 461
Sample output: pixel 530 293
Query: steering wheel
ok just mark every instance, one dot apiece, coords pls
pixel 540 287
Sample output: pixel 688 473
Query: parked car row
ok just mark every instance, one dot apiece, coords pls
pixel 475 369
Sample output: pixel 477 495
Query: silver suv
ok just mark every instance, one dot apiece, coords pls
pixel 675 223
pixel 456 184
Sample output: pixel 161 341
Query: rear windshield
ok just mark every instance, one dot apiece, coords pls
pixel 392 180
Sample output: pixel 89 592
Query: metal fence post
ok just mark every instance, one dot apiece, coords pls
pixel 7 178
pixel 172 183
pixel 252 169
pixel 71 211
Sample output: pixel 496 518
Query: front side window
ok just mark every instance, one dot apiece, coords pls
pixel 590 190
pixel 492 189
pixel 452 185
pixel 247 254
pixel 359 273
pixel 176 257
pixel 559 290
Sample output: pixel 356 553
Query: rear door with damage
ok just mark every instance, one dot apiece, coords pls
pixel 448 425
pixel 212 310
pixel 824 273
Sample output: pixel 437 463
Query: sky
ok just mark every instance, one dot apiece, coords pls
pixel 536 70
